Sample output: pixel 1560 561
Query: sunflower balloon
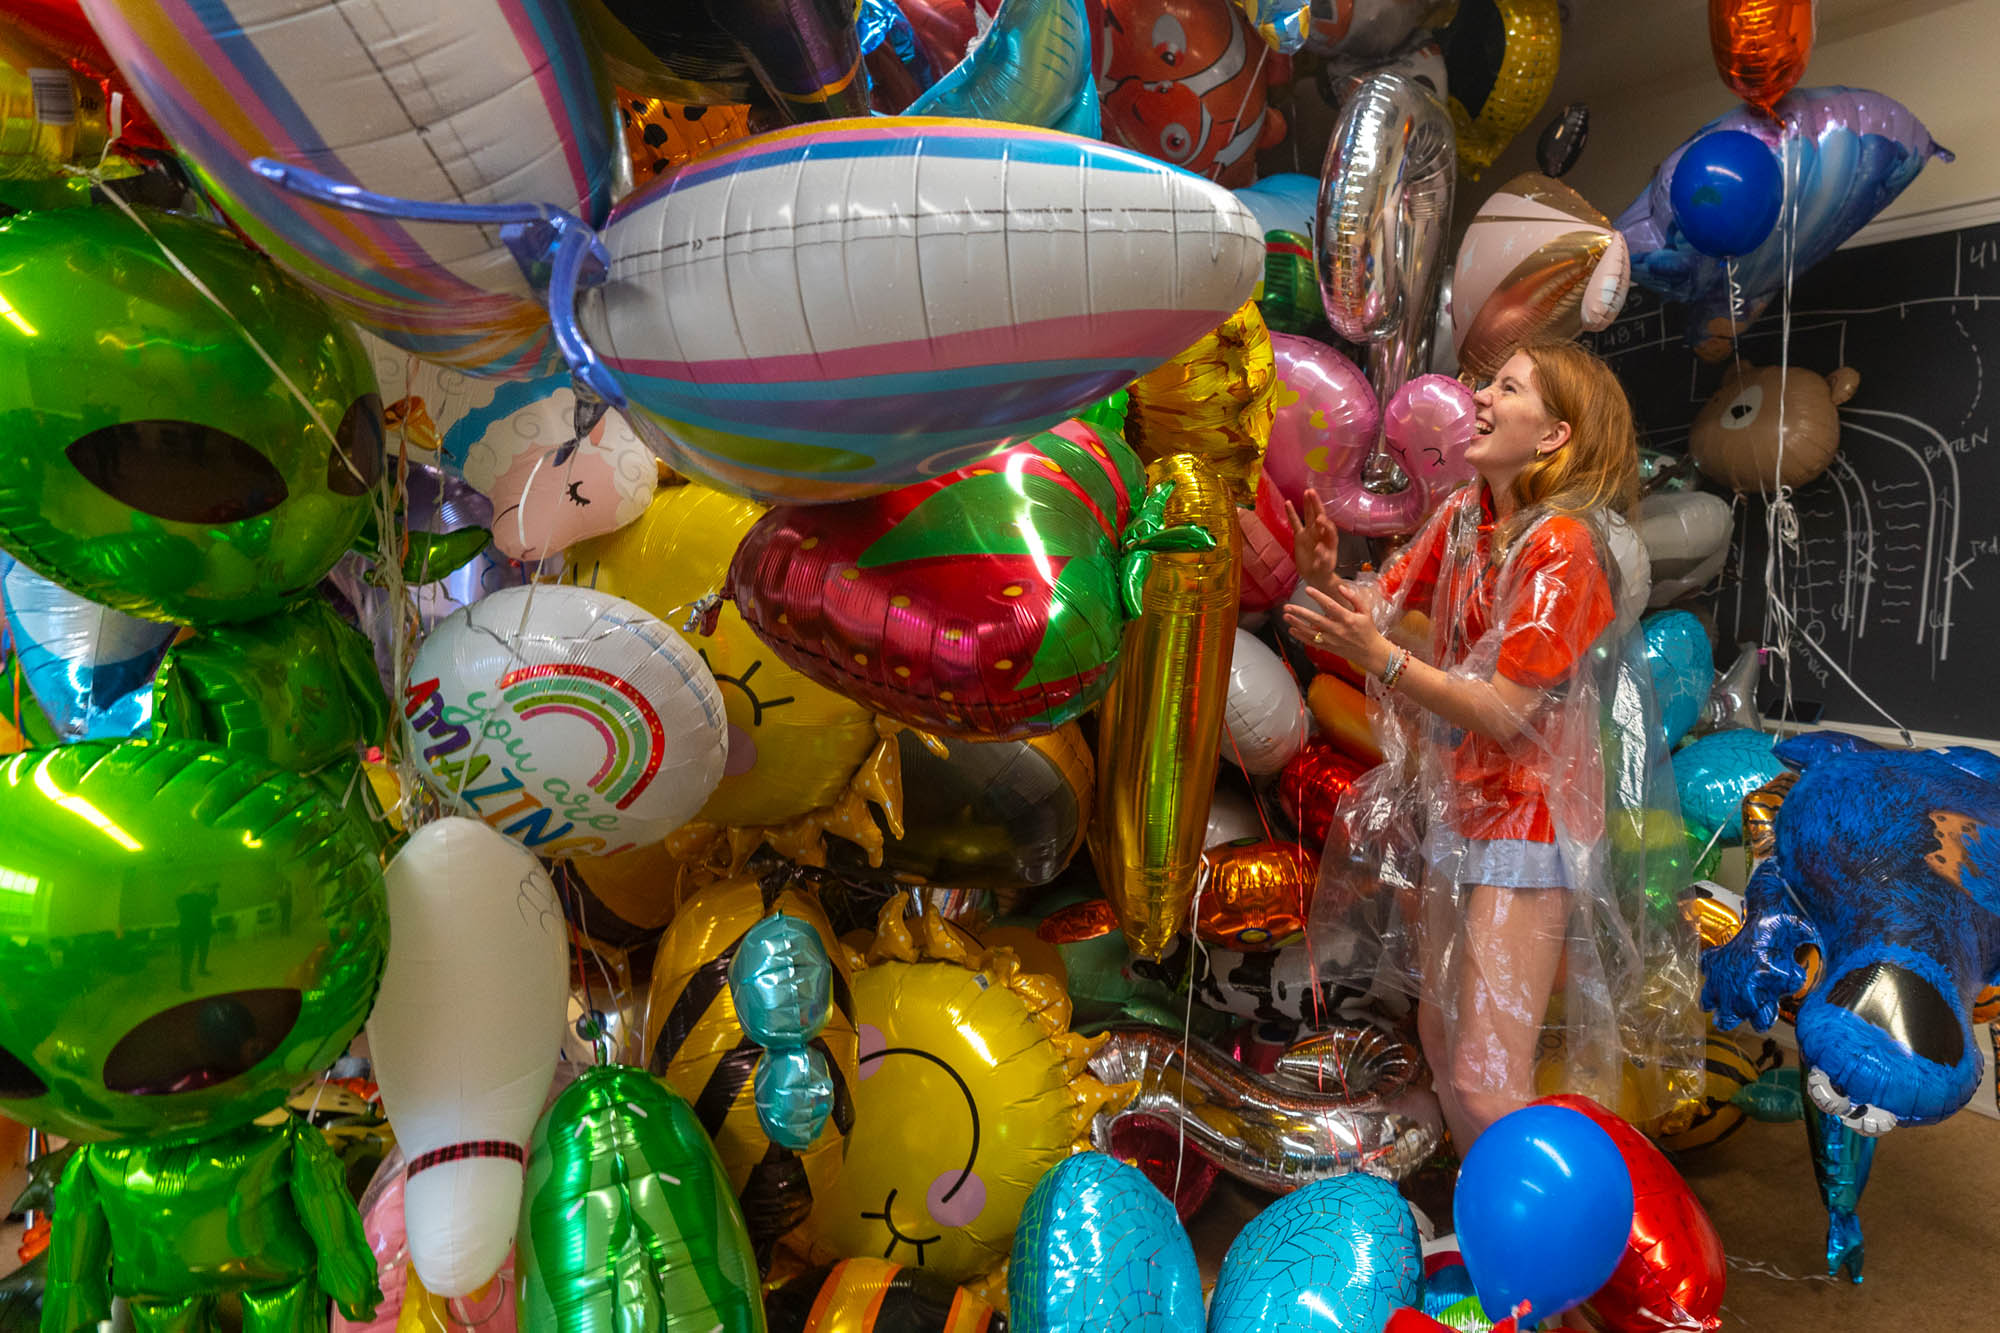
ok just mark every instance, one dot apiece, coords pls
pixel 971 1088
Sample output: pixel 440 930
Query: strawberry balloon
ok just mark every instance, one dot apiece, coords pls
pixel 986 602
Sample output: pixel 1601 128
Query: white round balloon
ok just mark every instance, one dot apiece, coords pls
pixel 569 719
pixel 1265 716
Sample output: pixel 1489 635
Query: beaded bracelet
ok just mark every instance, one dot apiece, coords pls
pixel 1394 671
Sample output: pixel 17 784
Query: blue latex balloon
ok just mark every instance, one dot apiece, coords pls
pixel 1099 1248
pixel 1715 773
pixel 1543 1208
pixel 1339 1256
pixel 1726 193
pixel 793 1089
pixel 1682 665
pixel 782 982
pixel 90 668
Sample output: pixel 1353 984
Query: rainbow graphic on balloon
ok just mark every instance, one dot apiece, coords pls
pixel 633 736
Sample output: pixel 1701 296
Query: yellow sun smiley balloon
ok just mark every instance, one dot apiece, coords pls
pixel 793 744
pixel 971 1088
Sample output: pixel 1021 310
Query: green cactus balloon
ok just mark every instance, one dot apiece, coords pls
pixel 627 1218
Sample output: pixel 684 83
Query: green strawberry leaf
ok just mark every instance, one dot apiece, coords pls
pixel 1085 623
pixel 1087 470
pixel 960 520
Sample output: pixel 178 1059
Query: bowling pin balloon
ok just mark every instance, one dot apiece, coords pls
pixel 465 1036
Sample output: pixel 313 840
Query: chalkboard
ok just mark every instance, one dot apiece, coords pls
pixel 1895 570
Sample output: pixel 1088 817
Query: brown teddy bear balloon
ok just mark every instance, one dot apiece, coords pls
pixel 1735 440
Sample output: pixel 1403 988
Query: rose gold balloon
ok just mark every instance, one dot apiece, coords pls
pixel 1256 894
pixel 1761 46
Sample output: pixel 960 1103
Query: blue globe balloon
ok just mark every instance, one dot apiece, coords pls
pixel 1683 669
pixel 1715 773
pixel 1726 193
pixel 1544 1209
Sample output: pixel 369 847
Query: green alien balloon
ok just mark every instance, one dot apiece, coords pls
pixel 150 458
pixel 185 934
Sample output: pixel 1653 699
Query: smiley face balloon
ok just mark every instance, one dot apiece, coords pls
pixel 150 458
pixel 959 1040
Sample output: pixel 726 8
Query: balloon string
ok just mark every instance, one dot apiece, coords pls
pixel 1236 121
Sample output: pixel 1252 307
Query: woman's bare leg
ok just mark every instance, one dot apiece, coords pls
pixel 1512 950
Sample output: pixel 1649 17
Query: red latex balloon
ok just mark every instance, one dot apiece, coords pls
pixel 1672 1275
pixel 1312 784
pixel 1761 46
pixel 59 26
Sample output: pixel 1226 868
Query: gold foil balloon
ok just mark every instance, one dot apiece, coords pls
pixel 1160 730
pixel 697 1045
pixel 1537 262
pixel 972 1088
pixel 876 1296
pixel 793 744
pixel 1510 48
pixel 1215 401
pixel 50 116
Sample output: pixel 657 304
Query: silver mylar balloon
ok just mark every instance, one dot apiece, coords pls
pixel 1732 702
pixel 1384 211
pixel 1341 1101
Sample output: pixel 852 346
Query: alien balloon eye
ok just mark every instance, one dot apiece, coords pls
pixel 355 467
pixel 179 471
pixel 201 1043
pixel 16 1079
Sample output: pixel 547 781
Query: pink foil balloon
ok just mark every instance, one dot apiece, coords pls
pixel 1428 426
pixel 1267 568
pixel 1326 423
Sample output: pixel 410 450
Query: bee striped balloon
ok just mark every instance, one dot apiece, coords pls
pixel 1727 1069
pixel 697 1045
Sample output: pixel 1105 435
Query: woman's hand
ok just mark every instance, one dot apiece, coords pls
pixel 1343 623
pixel 1315 544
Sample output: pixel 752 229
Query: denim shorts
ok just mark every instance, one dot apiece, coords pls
pixel 1505 863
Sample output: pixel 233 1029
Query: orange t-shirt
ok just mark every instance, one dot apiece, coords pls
pixel 1557 602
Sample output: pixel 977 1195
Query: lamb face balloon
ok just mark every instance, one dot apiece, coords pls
pixel 1538 262
pixel 567 718
pixel 465 1037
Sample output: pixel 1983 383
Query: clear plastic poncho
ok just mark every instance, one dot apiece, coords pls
pixel 1470 863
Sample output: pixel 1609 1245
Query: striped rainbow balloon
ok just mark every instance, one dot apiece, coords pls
pixel 471 101
pixel 833 311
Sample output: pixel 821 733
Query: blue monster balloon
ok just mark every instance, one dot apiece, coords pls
pixel 1726 193
pixel 1339 1256
pixel 1715 773
pixel 1682 666
pixel 1099 1248
pixel 1543 1209
pixel 1844 154
pixel 91 668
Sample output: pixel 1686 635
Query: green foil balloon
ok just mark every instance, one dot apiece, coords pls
pixel 628 1224
pixel 185 934
pixel 150 458
pixel 261 1211
pixel 298 689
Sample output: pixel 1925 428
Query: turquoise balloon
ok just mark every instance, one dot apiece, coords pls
pixel 1099 1248
pixel 1716 772
pixel 1683 669
pixel 1339 1256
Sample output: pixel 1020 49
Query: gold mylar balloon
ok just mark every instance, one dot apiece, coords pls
pixel 1533 45
pixel 696 1044
pixel 1215 401
pixel 793 744
pixel 1160 729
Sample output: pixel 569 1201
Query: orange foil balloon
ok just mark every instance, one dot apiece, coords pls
pixel 662 135
pixel 1185 81
pixel 1342 714
pixel 1160 732
pixel 1257 894
pixel 1761 46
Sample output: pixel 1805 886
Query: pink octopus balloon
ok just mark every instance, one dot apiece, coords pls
pixel 1327 426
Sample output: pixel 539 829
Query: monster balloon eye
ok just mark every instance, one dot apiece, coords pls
pixel 181 471
pixel 16 1079
pixel 355 464
pixel 202 1042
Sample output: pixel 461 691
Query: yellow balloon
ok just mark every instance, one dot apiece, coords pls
pixel 1216 401
pixel 1520 86
pixel 696 1044
pixel 972 1088
pixel 1159 734
pixel 793 743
